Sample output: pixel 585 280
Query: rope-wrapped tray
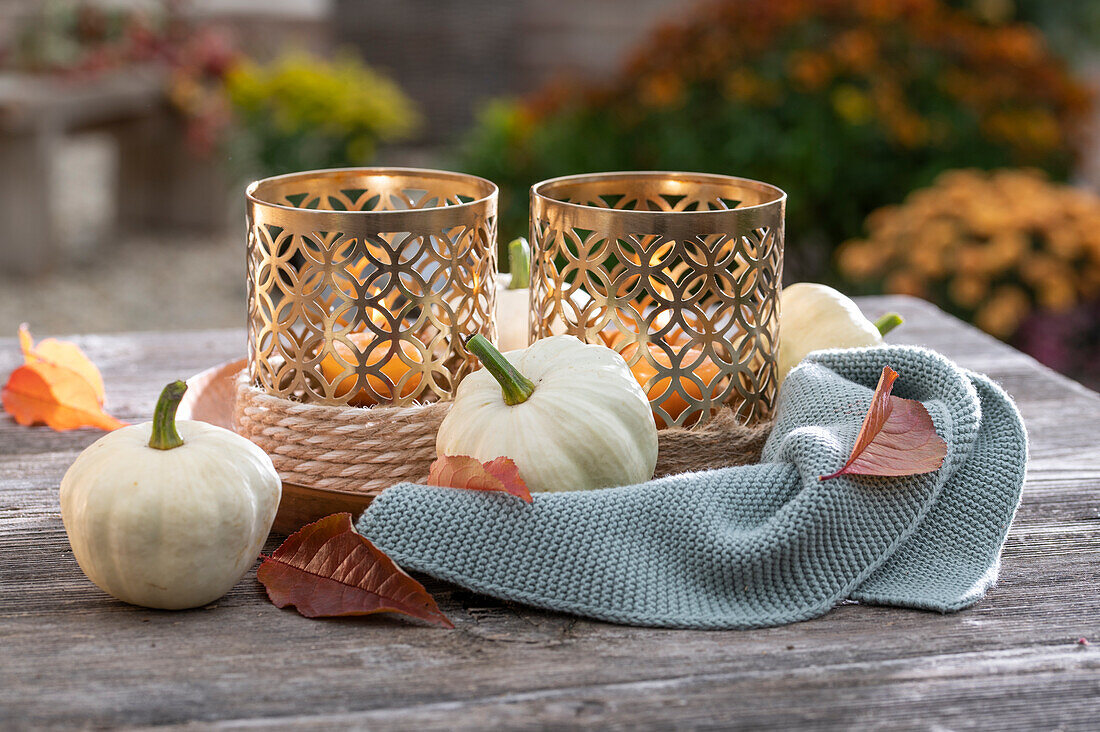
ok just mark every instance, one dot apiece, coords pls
pixel 366 450
pixel 334 458
pixel 353 449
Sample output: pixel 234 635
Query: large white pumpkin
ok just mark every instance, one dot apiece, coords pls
pixel 586 422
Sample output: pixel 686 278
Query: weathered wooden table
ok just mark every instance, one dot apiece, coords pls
pixel 70 655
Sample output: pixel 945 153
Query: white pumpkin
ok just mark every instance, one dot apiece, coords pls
pixel 512 314
pixel 570 415
pixel 814 317
pixel 513 308
pixel 174 526
pixel 514 298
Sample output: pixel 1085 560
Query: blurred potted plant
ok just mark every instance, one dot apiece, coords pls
pixel 298 112
pixel 845 104
pixel 1009 250
pixel 302 112
pixel 81 38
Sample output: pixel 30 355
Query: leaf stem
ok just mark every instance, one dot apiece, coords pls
pixel 519 264
pixel 165 436
pixel 888 322
pixel 515 387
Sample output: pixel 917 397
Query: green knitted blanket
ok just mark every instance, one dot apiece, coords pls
pixel 755 545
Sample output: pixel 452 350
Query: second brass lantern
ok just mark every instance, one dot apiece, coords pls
pixel 679 272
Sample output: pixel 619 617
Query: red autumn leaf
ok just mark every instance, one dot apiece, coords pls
pixel 328 570
pixel 461 471
pixel 57 386
pixel 897 437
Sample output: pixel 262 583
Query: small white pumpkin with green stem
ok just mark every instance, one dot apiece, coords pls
pixel 513 308
pixel 570 415
pixel 513 298
pixel 169 515
pixel 813 317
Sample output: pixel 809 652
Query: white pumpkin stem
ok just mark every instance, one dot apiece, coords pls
pixel 165 436
pixel 515 387
pixel 519 264
pixel 888 322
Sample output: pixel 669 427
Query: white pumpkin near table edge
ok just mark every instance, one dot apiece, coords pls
pixel 169 515
pixel 813 317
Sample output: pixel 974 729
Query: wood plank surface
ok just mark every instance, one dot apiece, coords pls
pixel 70 655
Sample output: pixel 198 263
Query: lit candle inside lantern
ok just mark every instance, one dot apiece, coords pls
pixel 403 372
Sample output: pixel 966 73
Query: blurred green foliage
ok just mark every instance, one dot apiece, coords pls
pixel 302 112
pixel 845 104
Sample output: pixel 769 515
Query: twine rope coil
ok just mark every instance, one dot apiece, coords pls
pixel 340 448
pixel 366 450
pixel 720 443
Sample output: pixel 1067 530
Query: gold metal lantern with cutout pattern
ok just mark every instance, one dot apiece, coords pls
pixel 679 272
pixel 361 280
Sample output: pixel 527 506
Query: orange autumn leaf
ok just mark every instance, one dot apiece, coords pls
pixel 328 570
pixel 64 355
pixel 499 475
pixel 897 437
pixel 57 386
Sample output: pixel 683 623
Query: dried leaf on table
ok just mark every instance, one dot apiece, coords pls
pixel 499 475
pixel 57 386
pixel 62 354
pixel 327 570
pixel 897 437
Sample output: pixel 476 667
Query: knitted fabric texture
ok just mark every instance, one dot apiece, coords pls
pixel 755 545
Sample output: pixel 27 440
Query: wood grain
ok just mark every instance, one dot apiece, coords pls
pixel 73 656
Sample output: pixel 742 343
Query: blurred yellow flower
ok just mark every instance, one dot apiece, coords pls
pixel 1019 44
pixel 1056 293
pixel 905 283
pixel 860 260
pixel 1003 312
pixel 852 105
pixel 857 49
pixel 1034 129
pixel 743 85
pixel 665 89
pixel 968 290
pixel 909 129
pixel 927 261
pixel 996 245
pixel 939 233
pixel 1064 242
pixel 1005 249
pixel 970 260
